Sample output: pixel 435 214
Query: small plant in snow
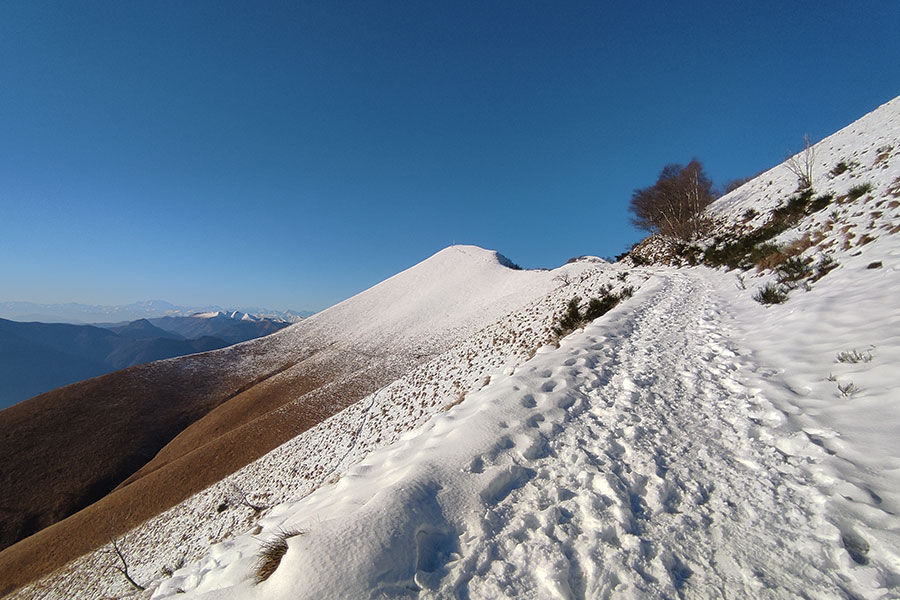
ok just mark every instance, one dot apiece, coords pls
pixel 847 389
pixel 771 293
pixel 819 203
pixel 825 265
pixel 859 190
pixel 573 318
pixel 855 356
pixel 839 168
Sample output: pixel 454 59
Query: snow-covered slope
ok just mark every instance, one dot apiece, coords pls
pixel 633 461
pixel 691 443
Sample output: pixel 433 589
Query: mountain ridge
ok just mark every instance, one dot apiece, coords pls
pixel 40 357
pixel 92 314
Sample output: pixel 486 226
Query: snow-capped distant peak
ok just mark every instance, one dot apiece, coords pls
pixel 209 315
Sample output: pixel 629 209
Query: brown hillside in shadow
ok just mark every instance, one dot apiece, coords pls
pixel 67 448
pixel 165 483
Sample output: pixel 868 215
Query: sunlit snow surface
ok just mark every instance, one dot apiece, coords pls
pixel 691 443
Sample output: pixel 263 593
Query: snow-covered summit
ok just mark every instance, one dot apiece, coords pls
pixel 454 292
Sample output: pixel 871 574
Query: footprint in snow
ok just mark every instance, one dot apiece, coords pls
pixel 505 481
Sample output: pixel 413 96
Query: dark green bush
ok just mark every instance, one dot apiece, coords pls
pixel 859 190
pixel 570 320
pixel 820 203
pixel 794 209
pixel 771 294
pixel 825 265
pixel 597 307
pixel 793 270
pixel 839 168
pixel 573 318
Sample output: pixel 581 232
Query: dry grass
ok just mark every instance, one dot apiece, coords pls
pixel 270 554
pixel 865 239
pixel 771 261
pixel 883 154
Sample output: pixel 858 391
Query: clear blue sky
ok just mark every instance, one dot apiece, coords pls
pixel 291 154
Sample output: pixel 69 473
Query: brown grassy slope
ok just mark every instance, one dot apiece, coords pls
pixel 231 436
pixel 67 448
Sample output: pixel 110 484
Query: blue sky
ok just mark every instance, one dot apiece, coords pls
pixel 291 154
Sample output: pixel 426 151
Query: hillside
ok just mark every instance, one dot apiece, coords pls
pixel 692 442
pixel 163 431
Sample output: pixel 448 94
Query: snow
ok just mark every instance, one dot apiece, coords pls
pixel 633 461
pixel 209 315
pixel 690 443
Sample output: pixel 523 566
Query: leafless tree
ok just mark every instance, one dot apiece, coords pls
pixel 802 163
pixel 563 278
pixel 673 206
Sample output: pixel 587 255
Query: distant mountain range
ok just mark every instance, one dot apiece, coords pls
pixel 38 357
pixel 148 309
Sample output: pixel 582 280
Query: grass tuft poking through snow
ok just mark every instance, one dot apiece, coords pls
pixel 854 356
pixel 270 554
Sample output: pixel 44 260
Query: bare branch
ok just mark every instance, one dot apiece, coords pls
pixel 239 496
pixel 123 567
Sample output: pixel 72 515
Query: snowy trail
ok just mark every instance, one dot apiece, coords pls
pixel 658 483
pixel 632 462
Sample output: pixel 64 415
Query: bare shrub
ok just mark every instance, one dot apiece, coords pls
pixel 802 164
pixel 673 206
pixel 563 278
pixel 238 497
